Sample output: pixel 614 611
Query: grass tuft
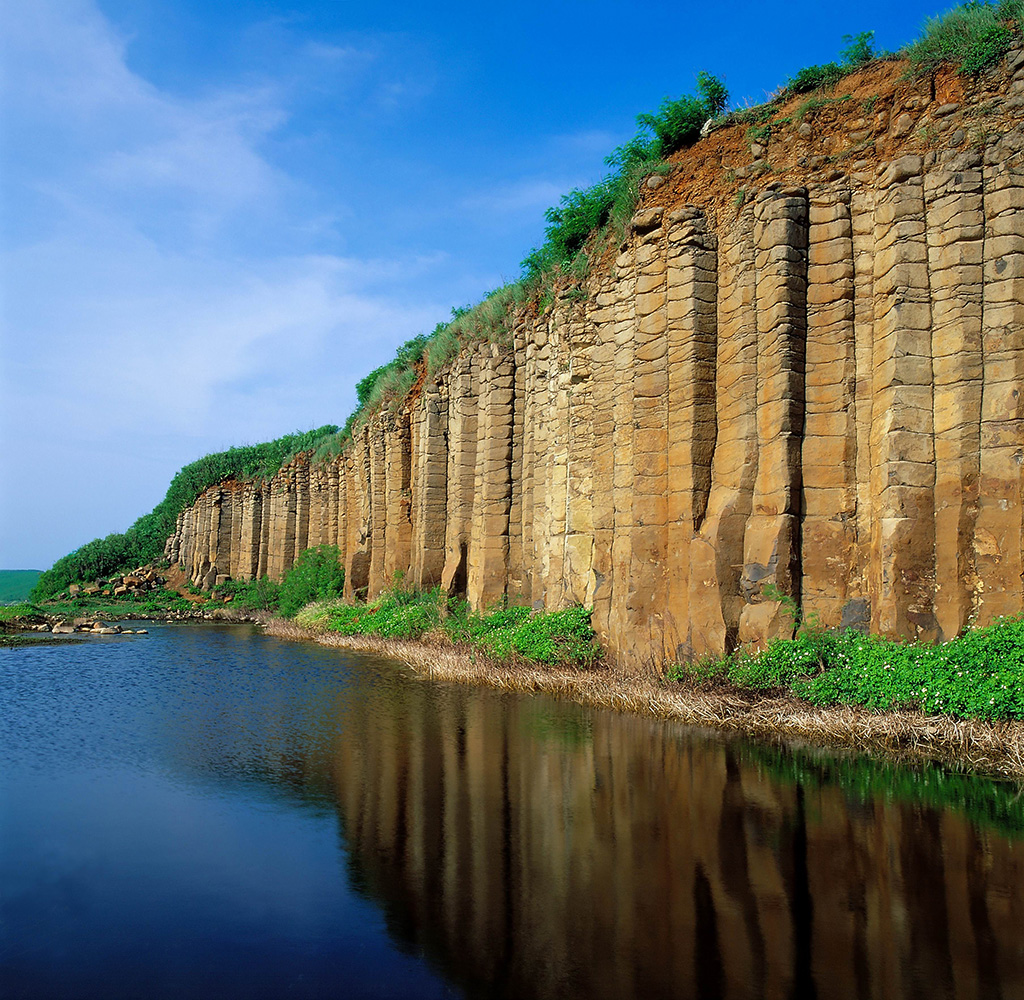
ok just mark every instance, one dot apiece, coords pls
pixel 971 37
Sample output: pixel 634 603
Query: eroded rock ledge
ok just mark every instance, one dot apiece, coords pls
pixel 817 384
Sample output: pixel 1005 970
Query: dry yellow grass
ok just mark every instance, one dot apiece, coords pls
pixel 987 747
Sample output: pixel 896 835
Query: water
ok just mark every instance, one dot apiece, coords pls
pixel 209 812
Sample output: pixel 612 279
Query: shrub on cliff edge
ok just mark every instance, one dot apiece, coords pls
pixel 971 37
pixel 584 211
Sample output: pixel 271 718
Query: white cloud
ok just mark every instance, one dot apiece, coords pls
pixel 136 312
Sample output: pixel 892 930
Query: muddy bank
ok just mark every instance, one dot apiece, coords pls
pixel 964 744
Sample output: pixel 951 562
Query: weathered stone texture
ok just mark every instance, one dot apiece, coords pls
pixel 818 394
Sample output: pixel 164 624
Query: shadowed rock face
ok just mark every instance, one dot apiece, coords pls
pixel 821 390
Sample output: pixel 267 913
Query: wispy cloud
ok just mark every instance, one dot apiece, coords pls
pixel 135 312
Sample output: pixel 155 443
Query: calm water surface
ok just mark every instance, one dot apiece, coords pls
pixel 208 812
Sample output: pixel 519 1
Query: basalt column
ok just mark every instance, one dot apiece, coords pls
pixel 1000 527
pixel 623 467
pixel 462 454
pixel 902 439
pixel 430 485
pixel 317 507
pixel 302 505
pixel 956 230
pixel 829 454
pixel 377 436
pixel 266 510
pixel 358 519
pixel 249 540
pixel 283 521
pixel 649 518
pixel 716 554
pixel 398 497
pixel 339 492
pixel 690 341
pixel 537 445
pixel 771 546
pixel 516 555
pixel 552 442
pixel 235 493
pixel 603 417
pixel 576 395
pixel 857 611
pixel 488 558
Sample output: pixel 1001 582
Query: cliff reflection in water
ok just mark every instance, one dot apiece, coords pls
pixel 531 848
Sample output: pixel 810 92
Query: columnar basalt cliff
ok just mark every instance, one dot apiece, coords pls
pixel 803 367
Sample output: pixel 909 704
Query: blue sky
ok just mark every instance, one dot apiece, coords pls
pixel 217 217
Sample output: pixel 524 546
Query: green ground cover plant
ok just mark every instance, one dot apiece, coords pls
pixel 10 612
pixel 317 575
pixel 977 675
pixel 553 638
pixel 263 594
pixel 152 603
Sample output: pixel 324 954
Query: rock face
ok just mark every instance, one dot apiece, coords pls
pixel 813 388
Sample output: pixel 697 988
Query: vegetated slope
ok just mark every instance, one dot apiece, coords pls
pixel 144 541
pixel 17 584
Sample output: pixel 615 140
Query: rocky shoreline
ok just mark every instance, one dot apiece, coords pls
pixel 973 745
pixel 42 627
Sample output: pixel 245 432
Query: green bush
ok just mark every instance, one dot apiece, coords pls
pixel 816 77
pixel 677 123
pixel 582 212
pixel 253 595
pixel 317 575
pixel 972 37
pixel 859 51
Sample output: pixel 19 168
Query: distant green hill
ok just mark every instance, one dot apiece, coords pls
pixel 15 584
